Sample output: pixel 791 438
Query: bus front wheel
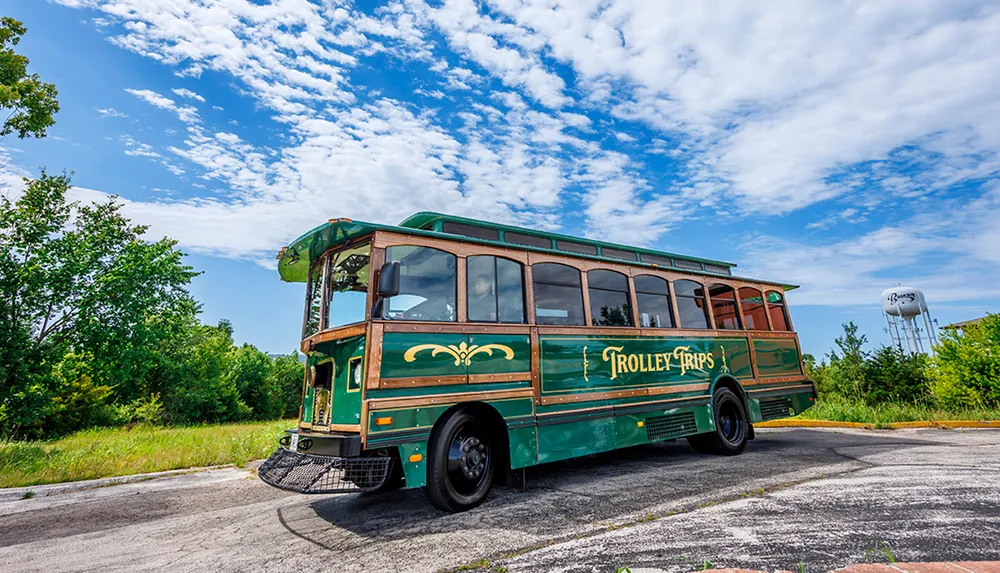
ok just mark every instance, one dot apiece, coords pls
pixel 731 426
pixel 460 465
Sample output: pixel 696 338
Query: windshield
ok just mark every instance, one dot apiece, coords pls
pixel 346 275
pixel 347 285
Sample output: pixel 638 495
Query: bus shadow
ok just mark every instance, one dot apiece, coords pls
pixel 596 488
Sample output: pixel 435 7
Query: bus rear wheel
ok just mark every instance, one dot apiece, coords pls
pixel 461 463
pixel 732 428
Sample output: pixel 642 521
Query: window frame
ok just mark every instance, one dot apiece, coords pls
pixel 737 311
pixel 582 285
pixel 629 298
pixel 706 310
pixel 763 304
pixel 459 272
pixel 671 306
pixel 496 295
pixel 784 310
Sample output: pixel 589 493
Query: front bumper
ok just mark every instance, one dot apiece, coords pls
pixel 311 473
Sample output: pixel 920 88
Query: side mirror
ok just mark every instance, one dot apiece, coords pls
pixel 388 280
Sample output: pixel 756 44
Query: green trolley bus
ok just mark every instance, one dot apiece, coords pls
pixel 451 353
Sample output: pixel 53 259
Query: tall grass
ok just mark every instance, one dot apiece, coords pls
pixel 840 409
pixel 112 452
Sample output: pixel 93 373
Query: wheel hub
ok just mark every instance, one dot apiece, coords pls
pixel 473 458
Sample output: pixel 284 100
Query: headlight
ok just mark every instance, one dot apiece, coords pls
pixel 354 376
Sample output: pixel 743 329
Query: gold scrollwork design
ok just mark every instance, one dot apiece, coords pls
pixel 462 353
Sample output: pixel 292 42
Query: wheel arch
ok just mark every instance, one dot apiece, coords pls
pixel 494 422
pixel 728 381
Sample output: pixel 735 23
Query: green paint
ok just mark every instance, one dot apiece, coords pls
pixel 414 472
pixel 407 419
pixel 619 363
pixel 777 357
pixel 346 405
pixel 428 362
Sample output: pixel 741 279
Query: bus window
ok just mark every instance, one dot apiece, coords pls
pixel 495 290
pixel 314 300
pixel 754 315
pixel 691 309
pixel 724 307
pixel 609 305
pixel 776 306
pixel 652 294
pixel 427 281
pixel 558 294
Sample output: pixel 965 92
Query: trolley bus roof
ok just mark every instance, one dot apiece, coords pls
pixel 294 260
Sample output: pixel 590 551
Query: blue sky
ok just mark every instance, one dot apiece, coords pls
pixel 842 146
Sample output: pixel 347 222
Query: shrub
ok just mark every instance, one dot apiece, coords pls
pixel 966 366
pixel 889 375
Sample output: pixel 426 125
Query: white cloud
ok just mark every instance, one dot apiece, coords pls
pixel 111 112
pixel 187 114
pixel 186 93
pixel 768 109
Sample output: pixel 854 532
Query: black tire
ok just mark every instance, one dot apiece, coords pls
pixel 732 428
pixel 460 463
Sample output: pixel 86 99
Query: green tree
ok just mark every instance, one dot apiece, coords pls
pixel 79 278
pixel 845 374
pixel 965 368
pixel 29 102
pixel 251 372
pixel 288 373
pixel 892 376
pixel 190 373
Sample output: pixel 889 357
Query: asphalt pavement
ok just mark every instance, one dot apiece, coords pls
pixel 819 498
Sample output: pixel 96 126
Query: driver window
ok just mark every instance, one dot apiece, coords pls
pixel 427 282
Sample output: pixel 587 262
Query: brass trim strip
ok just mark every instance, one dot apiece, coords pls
pixel 421 381
pixel 592 396
pixel 434 399
pixel 347 331
pixel 506 377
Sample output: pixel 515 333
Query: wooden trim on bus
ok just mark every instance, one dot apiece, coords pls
pixel 346 331
pixel 433 399
pixel 374 366
pixel 499 378
pixel 614 394
pixel 536 363
pixel 633 300
pixel 421 381
pixel 353 428
pixel 529 295
pixel 461 289
pixel 453 327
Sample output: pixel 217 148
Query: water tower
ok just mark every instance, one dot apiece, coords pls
pixel 905 308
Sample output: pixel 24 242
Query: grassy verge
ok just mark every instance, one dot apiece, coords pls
pixel 840 409
pixel 113 452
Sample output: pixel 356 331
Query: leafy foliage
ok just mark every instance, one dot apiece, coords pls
pixel 966 366
pixel 97 327
pixel 30 101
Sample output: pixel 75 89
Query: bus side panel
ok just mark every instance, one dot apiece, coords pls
pixel 647 427
pixel 562 441
pixel 595 363
pixel 777 357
